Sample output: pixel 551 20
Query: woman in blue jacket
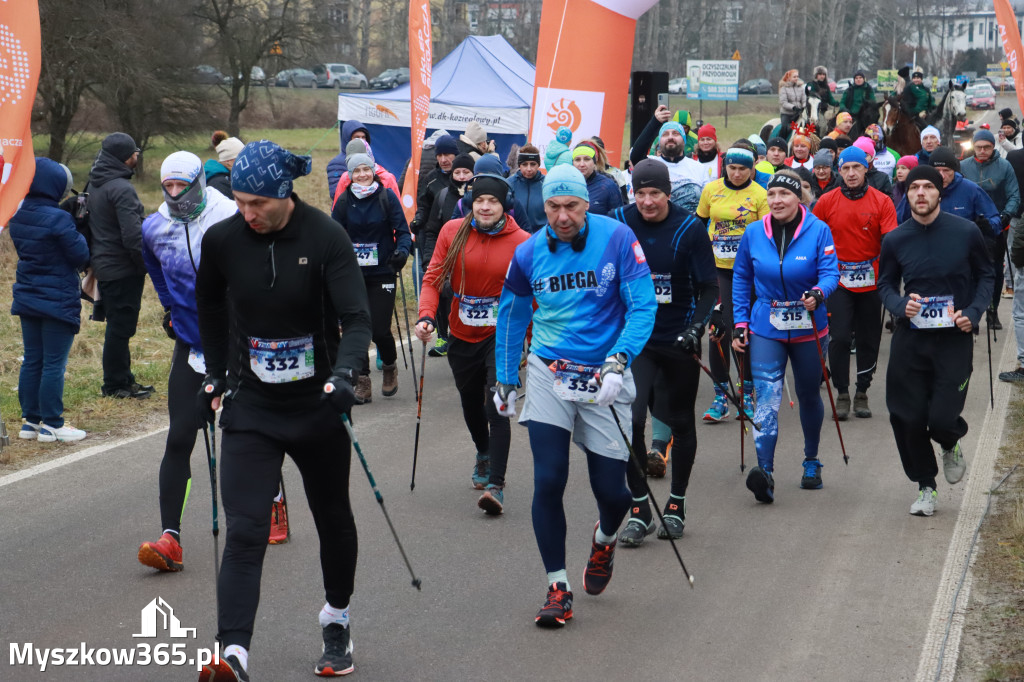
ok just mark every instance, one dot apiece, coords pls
pixel 373 217
pixel 604 192
pixel 789 261
pixel 47 296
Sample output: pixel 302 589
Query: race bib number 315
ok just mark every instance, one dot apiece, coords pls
pixel 789 315
pixel 278 361
pixel 572 381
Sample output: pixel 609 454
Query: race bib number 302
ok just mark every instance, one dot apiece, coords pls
pixel 662 287
pixel 278 361
pixel 789 315
pixel 478 311
pixel 936 313
pixel 572 381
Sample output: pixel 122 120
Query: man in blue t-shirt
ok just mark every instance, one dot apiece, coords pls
pixel 595 304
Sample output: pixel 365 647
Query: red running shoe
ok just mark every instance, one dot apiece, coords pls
pixel 278 524
pixel 226 670
pixel 557 609
pixel 163 555
pixel 598 572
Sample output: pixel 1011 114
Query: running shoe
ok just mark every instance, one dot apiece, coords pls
pixel 363 390
pixel 1014 377
pixel 811 479
pixel 278 523
pixel 924 505
pixel 337 657
pixel 225 670
pixel 163 555
pixel 440 348
pixel 557 608
pixel 493 500
pixel 30 431
pixel 657 463
pixel 481 471
pixel 1007 292
pixel 635 532
pixel 674 519
pixel 65 434
pixel 598 572
pixel 953 464
pixel 719 409
pixel 761 483
pixel 861 409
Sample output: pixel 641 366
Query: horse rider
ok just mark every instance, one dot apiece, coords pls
pixel 917 99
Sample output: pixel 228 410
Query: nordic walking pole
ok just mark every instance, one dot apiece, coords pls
pixel 416 582
pixel 988 342
pixel 419 417
pixel 408 331
pixel 284 502
pixel 210 430
pixel 650 495
pixel 729 394
pixel 725 363
pixel 743 414
pixel 828 385
pixel 401 342
pixel 789 393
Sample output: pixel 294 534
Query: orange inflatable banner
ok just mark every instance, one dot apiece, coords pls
pixel 1009 35
pixel 19 76
pixel 420 63
pixel 583 66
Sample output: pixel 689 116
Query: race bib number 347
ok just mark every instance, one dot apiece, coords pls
pixel 278 361
pixel 366 254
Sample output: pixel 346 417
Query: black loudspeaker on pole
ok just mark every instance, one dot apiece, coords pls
pixel 643 99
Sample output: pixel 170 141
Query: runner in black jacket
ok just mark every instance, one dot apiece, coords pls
pixel 274 283
pixel 948 278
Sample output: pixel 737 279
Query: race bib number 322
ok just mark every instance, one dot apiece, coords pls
pixel 278 361
pixel 478 311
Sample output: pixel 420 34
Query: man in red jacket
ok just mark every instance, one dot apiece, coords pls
pixel 859 216
pixel 472 255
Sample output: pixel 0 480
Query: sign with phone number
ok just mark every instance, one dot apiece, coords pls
pixel 712 80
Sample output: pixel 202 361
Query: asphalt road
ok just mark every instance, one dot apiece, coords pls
pixel 833 584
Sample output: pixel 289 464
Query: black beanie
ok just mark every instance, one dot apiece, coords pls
pixel 924 172
pixel 490 184
pixel 463 161
pixel 943 157
pixel 778 142
pixel 828 143
pixel 1013 124
pixel 1006 113
pixel 651 173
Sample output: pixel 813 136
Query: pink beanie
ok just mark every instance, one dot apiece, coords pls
pixel 908 161
pixel 865 145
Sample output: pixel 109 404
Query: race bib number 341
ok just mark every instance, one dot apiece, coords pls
pixel 278 361
pixel 856 275
pixel 572 381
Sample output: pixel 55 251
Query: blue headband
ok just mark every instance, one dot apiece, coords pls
pixel 265 169
pixel 739 157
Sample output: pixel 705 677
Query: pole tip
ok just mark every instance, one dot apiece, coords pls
pixel 743 468
pixel 691 582
pixel 417 583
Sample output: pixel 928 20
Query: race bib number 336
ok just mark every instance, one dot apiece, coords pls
pixel 278 361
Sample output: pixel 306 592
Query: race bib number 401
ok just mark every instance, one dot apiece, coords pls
pixel 278 361
pixel 789 315
pixel 478 311
pixel 572 381
pixel 936 313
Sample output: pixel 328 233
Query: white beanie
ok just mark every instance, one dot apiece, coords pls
pixel 228 149
pixel 181 166
pixel 931 130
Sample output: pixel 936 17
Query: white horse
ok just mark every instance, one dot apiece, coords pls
pixel 953 108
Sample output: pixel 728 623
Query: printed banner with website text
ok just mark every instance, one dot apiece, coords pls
pixel 19 76
pixel 1009 34
pixel 420 64
pixel 583 66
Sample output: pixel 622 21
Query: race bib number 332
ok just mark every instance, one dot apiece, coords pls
pixel 278 361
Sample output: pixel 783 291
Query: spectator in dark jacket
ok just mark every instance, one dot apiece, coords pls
pixel 373 217
pixel 115 218
pixel 527 183
pixel 218 171
pixel 445 151
pixel 47 297
pixel 335 167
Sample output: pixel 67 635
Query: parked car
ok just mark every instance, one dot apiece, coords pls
pixel 842 85
pixel 756 86
pixel 295 78
pixel 390 78
pixel 339 76
pixel 677 86
pixel 209 75
pixel 256 76
pixel 981 95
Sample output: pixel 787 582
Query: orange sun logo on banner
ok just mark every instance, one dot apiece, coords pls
pixel 564 114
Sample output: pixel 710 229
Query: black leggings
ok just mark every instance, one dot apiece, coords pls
pixel 719 366
pixel 473 367
pixel 860 313
pixel 175 473
pixel 444 306
pixel 673 375
pixel 381 294
pixel 255 442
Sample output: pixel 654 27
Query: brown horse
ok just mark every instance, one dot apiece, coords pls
pixel 901 133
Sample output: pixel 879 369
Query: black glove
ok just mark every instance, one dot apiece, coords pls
pixel 168 326
pixel 415 227
pixel 339 391
pixel 716 326
pixel 397 260
pixel 741 334
pixel 816 295
pixel 689 340
pixel 212 387
pixel 429 320
pixel 1004 220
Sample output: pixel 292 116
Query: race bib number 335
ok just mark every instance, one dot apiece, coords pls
pixel 572 381
pixel 278 361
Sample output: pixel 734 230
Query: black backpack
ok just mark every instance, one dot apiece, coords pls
pixel 78 206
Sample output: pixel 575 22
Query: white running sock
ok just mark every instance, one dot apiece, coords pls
pixel 559 577
pixel 603 539
pixel 238 652
pixel 280 495
pixel 176 534
pixel 331 614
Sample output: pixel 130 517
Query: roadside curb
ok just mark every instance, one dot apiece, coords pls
pixel 941 650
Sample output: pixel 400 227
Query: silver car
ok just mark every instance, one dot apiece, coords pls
pixel 339 76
